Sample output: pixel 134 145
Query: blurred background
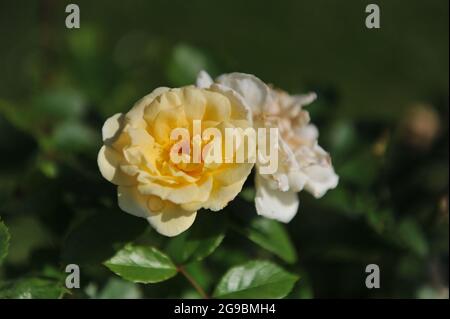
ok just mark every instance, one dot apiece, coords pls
pixel 382 113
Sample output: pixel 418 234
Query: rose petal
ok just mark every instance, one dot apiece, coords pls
pixel 194 104
pixel 218 107
pixel 132 202
pixel 233 173
pixel 320 179
pixel 275 204
pixel 108 161
pixel 172 220
pixel 204 80
pixel 112 128
pixel 221 196
pixel 254 91
pixel 179 195
pixel 140 137
pixel 241 109
pixel 136 114
pixel 304 99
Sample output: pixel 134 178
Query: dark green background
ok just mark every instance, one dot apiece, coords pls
pixel 57 86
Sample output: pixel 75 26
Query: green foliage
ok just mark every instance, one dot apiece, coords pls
pixel 90 243
pixel 141 264
pixel 74 137
pixel 200 240
pixel 255 279
pixel 32 288
pixel 270 235
pixel 391 205
pixel 4 241
pixel 115 288
pixel 185 63
pixel 410 236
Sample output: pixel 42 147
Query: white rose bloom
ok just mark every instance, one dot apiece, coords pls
pixel 302 163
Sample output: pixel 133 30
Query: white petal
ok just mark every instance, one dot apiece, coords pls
pixel 305 99
pixel 275 204
pixel 108 161
pixel 242 109
pixel 112 127
pixel 287 155
pixel 254 91
pixel 297 180
pixel 308 133
pixel 204 80
pixel 318 169
pixel 320 179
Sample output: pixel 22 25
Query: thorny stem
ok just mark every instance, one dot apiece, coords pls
pixel 193 282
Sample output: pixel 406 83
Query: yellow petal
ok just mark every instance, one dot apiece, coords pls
pixel 194 103
pixel 195 192
pixel 164 102
pixel 136 114
pixel 166 121
pixel 108 161
pixel 140 137
pixel 218 107
pixel 167 218
pixel 112 128
pixel 222 195
pixel 132 202
pixel 233 173
pixel 172 220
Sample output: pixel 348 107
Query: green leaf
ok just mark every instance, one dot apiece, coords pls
pixel 255 279
pixel 341 137
pixel 142 264
pixel 59 104
pixel 303 290
pixel 409 235
pixel 361 170
pixel 32 288
pixel 185 63
pixel 200 240
pixel 248 194
pixel 71 136
pixel 117 288
pixel 98 236
pixel 23 245
pixel 270 235
pixel 380 220
pixel 4 241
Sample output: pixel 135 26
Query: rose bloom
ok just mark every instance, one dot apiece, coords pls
pixel 302 163
pixel 136 156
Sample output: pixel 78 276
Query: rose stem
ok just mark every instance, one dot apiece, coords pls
pixel 193 282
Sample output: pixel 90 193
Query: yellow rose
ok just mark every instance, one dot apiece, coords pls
pixel 136 156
